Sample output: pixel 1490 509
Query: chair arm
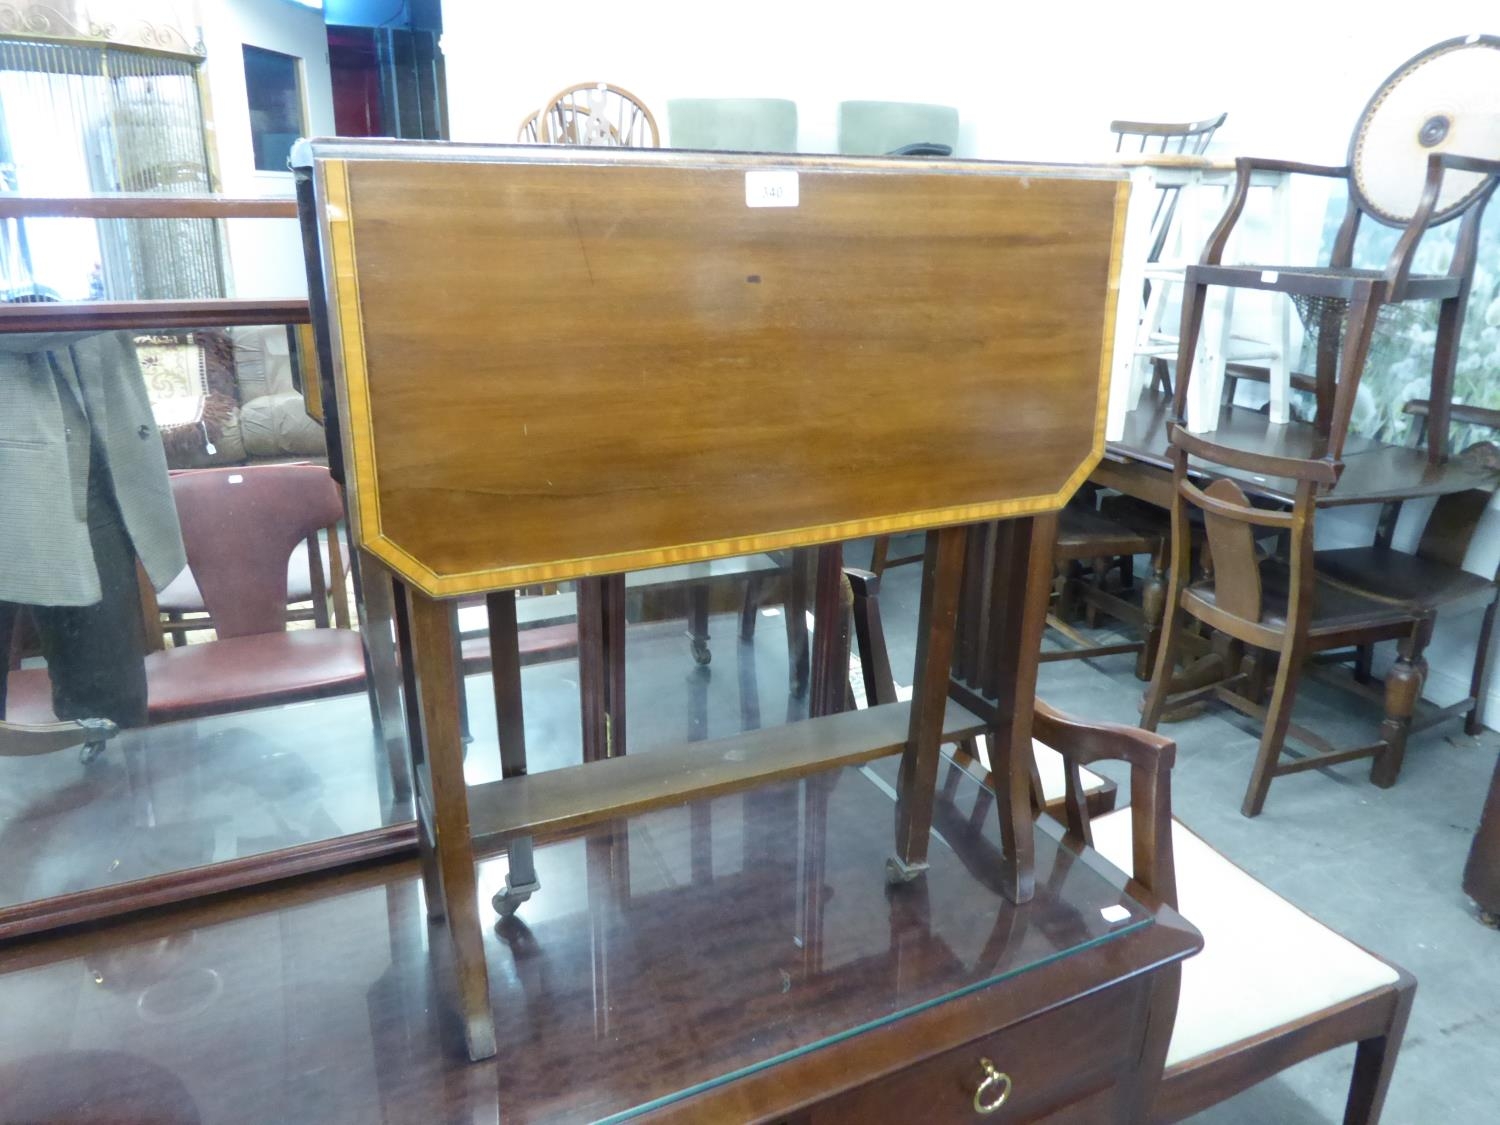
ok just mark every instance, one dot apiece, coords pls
pixel 1150 757
pixel 1245 168
pixel 1398 269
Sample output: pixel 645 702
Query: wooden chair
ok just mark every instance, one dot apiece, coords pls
pixel 529 131
pixel 314 581
pixel 597 113
pixel 240 526
pixel 1090 545
pixel 1164 138
pixel 1272 985
pixel 1431 578
pixel 1161 138
pixel 1276 607
pixel 1408 169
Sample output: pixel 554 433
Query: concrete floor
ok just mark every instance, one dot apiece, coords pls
pixel 1381 866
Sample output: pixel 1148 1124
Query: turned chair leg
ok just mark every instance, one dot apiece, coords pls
pixel 1153 603
pixel 1160 687
pixel 1272 738
pixel 1091 607
pixel 1403 687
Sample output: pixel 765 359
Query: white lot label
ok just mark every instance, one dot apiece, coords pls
pixel 771 187
pixel 1113 914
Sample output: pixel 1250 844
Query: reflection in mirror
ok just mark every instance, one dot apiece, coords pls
pixel 175 566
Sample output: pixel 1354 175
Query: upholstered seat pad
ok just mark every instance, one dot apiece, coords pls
pixel 1265 964
pixel 1083 534
pixel 1049 767
pixel 1334 607
pixel 1398 574
pixel 254 671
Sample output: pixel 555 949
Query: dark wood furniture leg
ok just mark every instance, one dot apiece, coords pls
pixel 1403 687
pixel 1375 1061
pixel 438 685
pixel 432 878
pixel 698 622
pixel 601 665
pixel 1482 870
pixel 798 595
pixel 942 568
pixel 1018 614
pixel 510 726
pixel 830 644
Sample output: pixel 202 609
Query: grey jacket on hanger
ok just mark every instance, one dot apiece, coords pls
pixel 56 392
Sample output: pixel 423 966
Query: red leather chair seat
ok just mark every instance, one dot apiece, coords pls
pixel 256 671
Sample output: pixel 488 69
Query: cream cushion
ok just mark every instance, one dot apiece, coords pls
pixel 1049 766
pixel 1264 963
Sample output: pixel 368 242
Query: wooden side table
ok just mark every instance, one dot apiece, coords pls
pixel 557 364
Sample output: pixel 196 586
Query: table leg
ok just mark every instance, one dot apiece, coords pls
pixel 698 622
pixel 942 569
pixel 438 685
pixel 798 593
pixel 830 655
pixel 1023 574
pixel 510 726
pixel 376 608
pixel 601 665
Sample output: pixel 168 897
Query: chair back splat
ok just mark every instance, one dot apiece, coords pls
pixel 240 526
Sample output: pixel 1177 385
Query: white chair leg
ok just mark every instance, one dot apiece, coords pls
pixel 1206 387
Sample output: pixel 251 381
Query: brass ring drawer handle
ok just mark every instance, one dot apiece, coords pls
pixel 993 1091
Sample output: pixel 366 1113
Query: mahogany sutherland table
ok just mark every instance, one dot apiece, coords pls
pixel 560 363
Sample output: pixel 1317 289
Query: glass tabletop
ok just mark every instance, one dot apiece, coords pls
pixel 686 948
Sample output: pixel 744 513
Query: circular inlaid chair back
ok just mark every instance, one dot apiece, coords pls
pixel 596 113
pixel 1446 99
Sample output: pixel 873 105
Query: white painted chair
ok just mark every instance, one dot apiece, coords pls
pixel 1153 259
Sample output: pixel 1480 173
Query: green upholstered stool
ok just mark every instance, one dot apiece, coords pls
pixel 873 128
pixel 733 124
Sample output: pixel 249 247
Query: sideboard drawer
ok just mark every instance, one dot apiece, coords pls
pixel 1063 1059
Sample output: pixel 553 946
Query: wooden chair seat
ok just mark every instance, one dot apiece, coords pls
pixel 1335 608
pixel 259 670
pixel 1272 985
pixel 1082 535
pixel 1410 578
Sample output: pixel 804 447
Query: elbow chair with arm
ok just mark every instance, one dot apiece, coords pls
pixel 1408 169
pixel 1272 986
